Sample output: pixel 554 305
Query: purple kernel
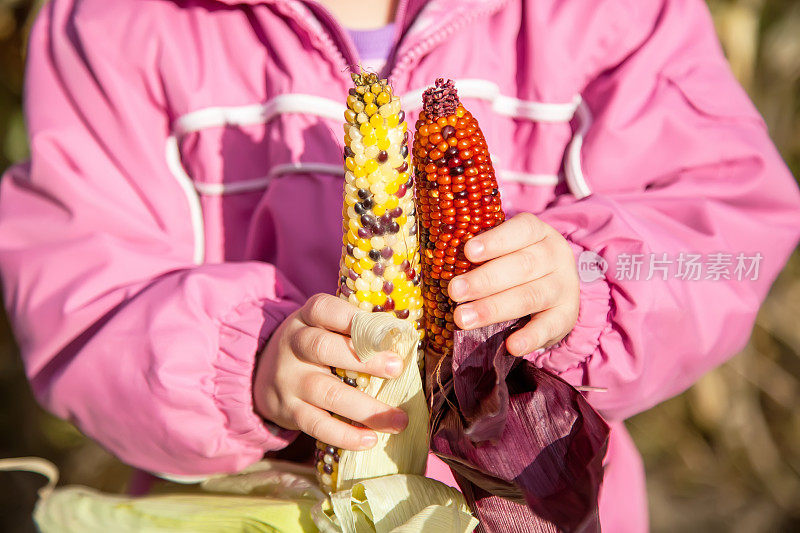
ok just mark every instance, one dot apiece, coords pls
pixel 394 227
pixel 451 152
pixel 388 287
pixel 413 230
pixel 350 249
pixel 369 221
pixel 345 290
pixel 352 92
pixel 335 457
pixel 396 212
pixel 388 305
pixel 404 151
pixel 447 131
pixel 368 203
pixel 328 469
pixel 401 116
pixel 364 193
pixel 385 219
pixel 364 233
pixel 352 274
pixel 377 309
pixel 350 381
pixel 453 162
pixel 386 253
pixel 330 450
pixel 378 269
pixel 382 156
pixel 456 171
pixel 348 152
pixel 401 191
pixel 461 195
pixel 468 163
pixel 374 255
pixel 401 313
pixel 405 265
pixel 403 167
pixel 359 208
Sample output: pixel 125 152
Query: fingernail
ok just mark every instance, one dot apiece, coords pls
pixel 394 366
pixel 475 248
pixel 369 440
pixel 457 288
pixel 540 351
pixel 399 421
pixel 468 316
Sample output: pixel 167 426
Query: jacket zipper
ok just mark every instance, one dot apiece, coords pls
pixel 421 48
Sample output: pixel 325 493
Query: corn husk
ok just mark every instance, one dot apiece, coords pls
pixel 407 451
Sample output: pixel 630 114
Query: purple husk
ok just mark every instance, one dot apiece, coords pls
pixel 525 447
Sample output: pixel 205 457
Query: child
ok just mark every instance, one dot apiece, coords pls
pixel 182 205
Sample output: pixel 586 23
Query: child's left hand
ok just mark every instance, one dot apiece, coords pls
pixel 528 268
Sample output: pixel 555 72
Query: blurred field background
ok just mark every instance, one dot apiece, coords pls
pixel 724 456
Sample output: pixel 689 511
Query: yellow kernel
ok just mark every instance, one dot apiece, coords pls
pixel 357 268
pixel 370 109
pixel 392 202
pixel 377 298
pixel 352 237
pixel 401 220
pixel 353 225
pixel 362 296
pixel 370 139
pixel 400 300
pixel 371 166
pixel 392 187
pixel 398 258
pixel 376 121
pixel 392 121
pixel 349 261
pixel 376 88
pixel 365 263
pixel 359 172
pixel 460 112
pixel 383 98
pixel 350 163
pixel 383 144
pixel 381 132
pixel 369 98
pixel 378 210
pixel 365 129
pixel 364 244
pixel 350 116
pixel 351 101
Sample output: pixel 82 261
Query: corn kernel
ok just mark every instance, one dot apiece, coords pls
pixel 376 121
pixel 370 109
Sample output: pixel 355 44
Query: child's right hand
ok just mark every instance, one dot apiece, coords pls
pixel 294 386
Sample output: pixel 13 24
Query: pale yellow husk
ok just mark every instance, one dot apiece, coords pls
pixel 273 496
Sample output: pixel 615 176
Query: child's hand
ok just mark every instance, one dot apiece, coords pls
pixel 294 386
pixel 529 269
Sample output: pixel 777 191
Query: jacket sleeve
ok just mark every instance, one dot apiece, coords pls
pixel 678 161
pixel 120 332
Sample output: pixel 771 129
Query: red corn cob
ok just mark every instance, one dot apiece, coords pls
pixel 457 198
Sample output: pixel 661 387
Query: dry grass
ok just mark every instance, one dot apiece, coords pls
pixel 725 456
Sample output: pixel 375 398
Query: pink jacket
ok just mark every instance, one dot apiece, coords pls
pixel 184 195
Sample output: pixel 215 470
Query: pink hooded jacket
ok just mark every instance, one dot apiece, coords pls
pixel 184 196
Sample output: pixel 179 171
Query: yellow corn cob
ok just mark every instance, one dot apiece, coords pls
pixel 379 269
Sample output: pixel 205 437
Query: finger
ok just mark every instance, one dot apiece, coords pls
pixel 323 347
pixel 545 329
pixel 513 303
pixel 518 232
pixel 323 427
pixel 329 312
pixel 331 394
pixel 528 264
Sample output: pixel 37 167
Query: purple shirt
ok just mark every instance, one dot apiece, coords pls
pixel 373 46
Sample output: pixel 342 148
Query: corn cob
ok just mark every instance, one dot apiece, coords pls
pixel 457 198
pixel 380 258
